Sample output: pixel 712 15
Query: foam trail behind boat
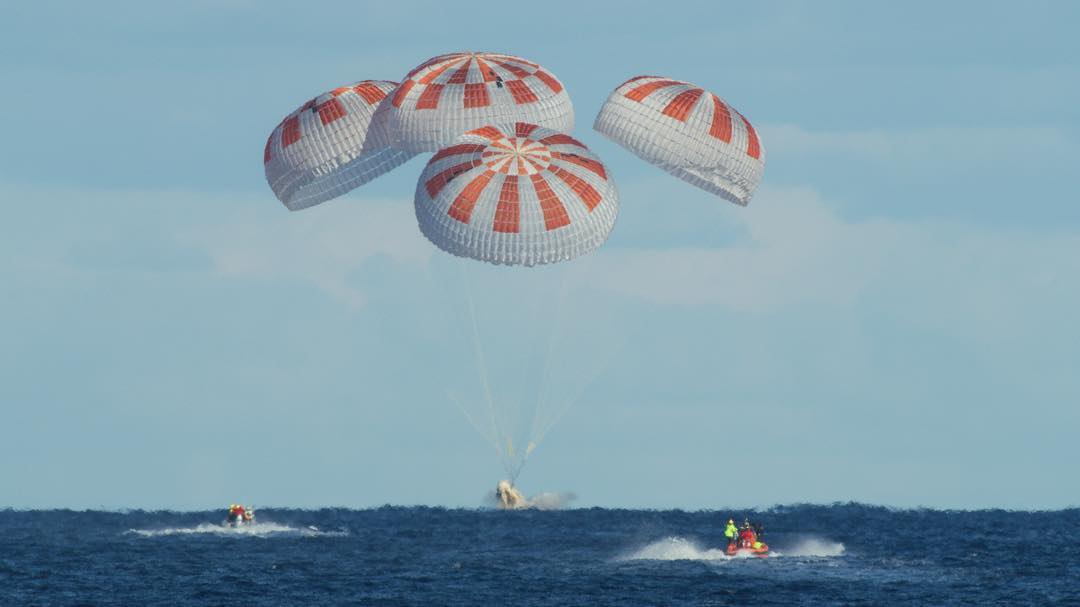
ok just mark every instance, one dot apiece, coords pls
pixel 675 549
pixel 811 546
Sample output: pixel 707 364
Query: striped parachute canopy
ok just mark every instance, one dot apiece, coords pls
pixel 519 194
pixel 450 94
pixel 687 131
pixel 330 145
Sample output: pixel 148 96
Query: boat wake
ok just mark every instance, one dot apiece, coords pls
pixel 682 549
pixel 676 549
pixel 812 546
pixel 256 530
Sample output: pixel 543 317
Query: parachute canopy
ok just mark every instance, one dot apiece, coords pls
pixel 450 94
pixel 687 131
pixel 517 194
pixel 327 146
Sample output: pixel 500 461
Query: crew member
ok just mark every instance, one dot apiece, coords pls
pixel 746 536
pixel 731 532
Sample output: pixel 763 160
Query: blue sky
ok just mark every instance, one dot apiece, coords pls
pixel 891 320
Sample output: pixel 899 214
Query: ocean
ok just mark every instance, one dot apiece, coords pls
pixel 841 554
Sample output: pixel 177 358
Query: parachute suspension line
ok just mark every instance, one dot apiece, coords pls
pixel 494 440
pixel 544 426
pixel 481 367
pixel 538 427
pixel 530 345
pixel 590 380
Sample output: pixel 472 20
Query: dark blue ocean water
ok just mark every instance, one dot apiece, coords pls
pixel 825 555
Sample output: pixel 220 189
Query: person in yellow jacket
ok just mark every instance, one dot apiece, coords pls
pixel 731 532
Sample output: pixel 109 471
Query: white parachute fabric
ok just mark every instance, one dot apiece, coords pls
pixel 450 94
pixel 687 131
pixel 330 145
pixel 516 194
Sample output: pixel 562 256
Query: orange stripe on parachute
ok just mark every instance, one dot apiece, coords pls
pixel 524 129
pixel 435 73
pixel 562 138
pixel 512 58
pixel 585 192
pixel 508 211
pixel 753 146
pixel 635 79
pixel 330 111
pixel 438 182
pixel 485 69
pixel 462 207
pixel 521 92
pixel 679 107
pixel 721 120
pixel 476 95
pixel 555 215
pixel 399 94
pixel 462 74
pixel 582 161
pixel 510 67
pixel 461 148
pixel 429 99
pixel 488 132
pixel 290 132
pixel 370 92
pixel 549 80
pixel 641 92
pixel 416 70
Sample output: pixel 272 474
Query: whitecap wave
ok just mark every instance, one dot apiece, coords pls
pixel 256 530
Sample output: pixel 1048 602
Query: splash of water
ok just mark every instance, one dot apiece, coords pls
pixel 551 500
pixel 547 500
pixel 682 549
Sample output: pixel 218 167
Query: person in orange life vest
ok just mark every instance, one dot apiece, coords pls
pixel 746 536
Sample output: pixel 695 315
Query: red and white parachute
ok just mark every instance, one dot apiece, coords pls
pixel 330 145
pixel 687 131
pixel 447 95
pixel 516 194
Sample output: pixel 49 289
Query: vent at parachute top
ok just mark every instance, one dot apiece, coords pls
pixel 517 194
pixel 330 145
pixel 450 94
pixel 687 131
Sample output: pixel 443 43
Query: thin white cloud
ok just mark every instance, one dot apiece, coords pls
pixel 142 233
pixel 798 252
pixel 928 147
pixel 322 246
